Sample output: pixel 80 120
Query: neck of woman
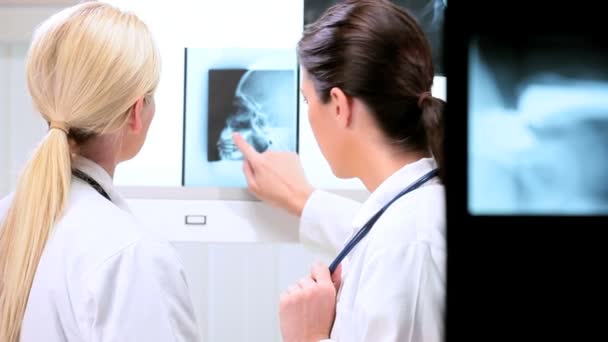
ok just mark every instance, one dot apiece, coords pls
pixel 375 167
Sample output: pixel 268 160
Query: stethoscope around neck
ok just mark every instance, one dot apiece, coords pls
pixel 368 226
pixel 93 183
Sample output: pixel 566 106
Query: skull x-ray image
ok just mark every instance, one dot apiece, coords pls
pixel 538 126
pixel 252 91
pixel 429 13
pixel 258 104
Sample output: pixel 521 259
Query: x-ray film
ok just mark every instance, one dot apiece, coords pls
pixel 252 92
pixel 254 103
pixel 538 126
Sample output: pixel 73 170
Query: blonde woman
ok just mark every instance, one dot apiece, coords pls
pixel 74 263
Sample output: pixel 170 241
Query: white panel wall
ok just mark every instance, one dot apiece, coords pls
pixel 4 119
pixel 236 287
pixel 22 128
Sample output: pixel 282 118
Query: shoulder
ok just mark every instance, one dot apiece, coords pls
pixel 417 217
pixel 146 257
pixel 411 233
pixel 94 230
pixel 141 293
pixel 146 267
pixel 321 201
pixel 148 274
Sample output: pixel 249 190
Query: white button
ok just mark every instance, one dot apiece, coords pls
pixel 199 220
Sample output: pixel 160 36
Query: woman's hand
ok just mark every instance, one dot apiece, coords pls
pixel 275 177
pixel 308 309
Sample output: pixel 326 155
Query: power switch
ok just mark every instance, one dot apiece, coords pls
pixel 196 220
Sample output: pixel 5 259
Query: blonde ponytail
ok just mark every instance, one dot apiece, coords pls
pixel 86 67
pixel 41 196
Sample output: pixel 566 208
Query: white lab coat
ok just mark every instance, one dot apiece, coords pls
pixel 393 282
pixel 103 278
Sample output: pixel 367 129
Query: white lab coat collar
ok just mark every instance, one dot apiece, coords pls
pixel 391 187
pixel 102 177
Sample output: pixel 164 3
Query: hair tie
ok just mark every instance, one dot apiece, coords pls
pixel 423 97
pixel 60 125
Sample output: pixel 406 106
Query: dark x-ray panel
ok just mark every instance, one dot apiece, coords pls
pixel 538 125
pixel 429 13
pixel 254 103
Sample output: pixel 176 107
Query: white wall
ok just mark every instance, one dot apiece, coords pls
pixel 21 128
pixel 4 122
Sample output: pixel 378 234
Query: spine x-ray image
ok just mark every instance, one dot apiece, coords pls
pixel 538 126
pixel 250 91
pixel 429 13
pixel 254 103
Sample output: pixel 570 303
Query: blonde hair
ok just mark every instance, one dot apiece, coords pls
pixel 86 67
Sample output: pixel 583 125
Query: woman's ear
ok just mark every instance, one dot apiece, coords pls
pixel 135 121
pixel 342 107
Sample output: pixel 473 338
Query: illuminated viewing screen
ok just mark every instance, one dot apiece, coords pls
pixel 538 125
pixel 250 91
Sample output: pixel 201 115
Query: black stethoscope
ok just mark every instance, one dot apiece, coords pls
pixel 93 183
pixel 368 226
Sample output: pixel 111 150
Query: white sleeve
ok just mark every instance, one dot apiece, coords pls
pixel 326 221
pixel 411 306
pixel 141 294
